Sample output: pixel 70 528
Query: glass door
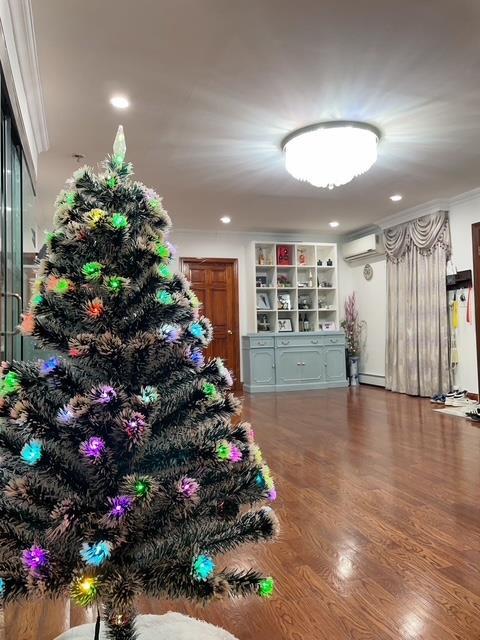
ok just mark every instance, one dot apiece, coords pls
pixel 10 239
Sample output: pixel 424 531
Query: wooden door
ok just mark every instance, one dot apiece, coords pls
pixel 215 281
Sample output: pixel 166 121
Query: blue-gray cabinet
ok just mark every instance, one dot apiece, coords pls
pixel 293 361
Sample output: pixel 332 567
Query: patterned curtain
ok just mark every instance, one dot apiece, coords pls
pixel 417 357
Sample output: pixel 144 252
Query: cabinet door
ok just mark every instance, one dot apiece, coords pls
pixel 335 363
pixel 313 368
pixel 263 366
pixel 289 365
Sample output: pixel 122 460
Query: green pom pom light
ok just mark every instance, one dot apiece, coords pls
pixel 142 488
pixel 112 182
pixel 115 284
pixel 164 297
pixel 162 251
pixel 266 587
pixel 37 299
pixel 210 390
pixel 62 286
pixel 224 450
pixel 119 221
pixel 70 198
pixel 203 568
pixel 92 270
pixel 9 384
pixel 165 272
pixel 154 204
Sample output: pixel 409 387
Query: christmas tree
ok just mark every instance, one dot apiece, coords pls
pixel 123 471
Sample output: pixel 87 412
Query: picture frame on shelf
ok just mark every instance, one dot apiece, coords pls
pixel 262 281
pixel 263 302
pixel 305 302
pixel 284 255
pixel 285 325
pixel 263 323
pixel 329 326
pixel 284 302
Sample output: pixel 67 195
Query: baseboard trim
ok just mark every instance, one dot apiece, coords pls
pixel 279 388
pixel 372 378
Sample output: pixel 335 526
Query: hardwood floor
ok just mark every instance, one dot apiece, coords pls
pixel 379 500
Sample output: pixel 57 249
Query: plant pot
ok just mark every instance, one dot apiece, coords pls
pixel 353 370
pixel 171 626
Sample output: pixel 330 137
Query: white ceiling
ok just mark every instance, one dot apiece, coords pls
pixel 216 84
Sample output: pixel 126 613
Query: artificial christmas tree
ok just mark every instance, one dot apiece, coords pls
pixel 121 471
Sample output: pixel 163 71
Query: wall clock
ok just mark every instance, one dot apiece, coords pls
pixel 368 272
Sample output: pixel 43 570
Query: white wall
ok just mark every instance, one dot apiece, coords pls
pixel 372 306
pixel 463 213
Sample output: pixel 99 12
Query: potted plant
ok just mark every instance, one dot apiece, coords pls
pixel 353 327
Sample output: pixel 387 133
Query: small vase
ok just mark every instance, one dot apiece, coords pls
pixel 353 370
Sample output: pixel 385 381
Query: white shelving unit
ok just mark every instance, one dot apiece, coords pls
pixel 308 280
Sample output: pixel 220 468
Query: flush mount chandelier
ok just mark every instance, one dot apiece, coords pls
pixel 329 154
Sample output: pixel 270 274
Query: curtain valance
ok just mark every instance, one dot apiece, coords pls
pixel 424 233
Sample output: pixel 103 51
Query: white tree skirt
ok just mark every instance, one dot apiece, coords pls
pixel 171 626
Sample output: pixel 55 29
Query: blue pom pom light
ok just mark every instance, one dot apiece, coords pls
pixel 96 554
pixel 196 330
pixel 203 567
pixel 2 587
pixel 49 366
pixel 32 452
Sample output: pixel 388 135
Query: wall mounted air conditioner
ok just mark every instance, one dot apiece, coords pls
pixel 366 247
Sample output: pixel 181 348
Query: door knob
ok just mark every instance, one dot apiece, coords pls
pixel 230 332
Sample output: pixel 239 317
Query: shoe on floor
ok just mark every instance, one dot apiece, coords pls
pixel 438 398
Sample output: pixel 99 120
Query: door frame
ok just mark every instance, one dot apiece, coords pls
pixel 476 289
pixel 236 312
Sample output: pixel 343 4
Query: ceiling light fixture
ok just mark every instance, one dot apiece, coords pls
pixel 334 224
pixel 119 102
pixel 396 197
pixel 330 154
pixel 225 219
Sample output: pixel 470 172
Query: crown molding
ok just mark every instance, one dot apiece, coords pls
pixel 415 212
pixel 468 196
pixel 266 236
pixel 18 56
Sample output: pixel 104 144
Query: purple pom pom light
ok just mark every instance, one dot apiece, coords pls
pixel 189 487
pixel 106 394
pixel 235 454
pixel 121 505
pixel 93 448
pixel 35 559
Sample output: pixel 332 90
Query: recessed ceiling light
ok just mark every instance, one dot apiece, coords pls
pixel 225 219
pixel 119 102
pixel 334 223
pixel 396 197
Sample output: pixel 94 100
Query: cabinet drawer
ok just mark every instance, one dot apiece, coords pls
pixel 333 340
pixel 298 341
pixel 258 343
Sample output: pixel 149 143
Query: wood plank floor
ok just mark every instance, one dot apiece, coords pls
pixel 379 499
